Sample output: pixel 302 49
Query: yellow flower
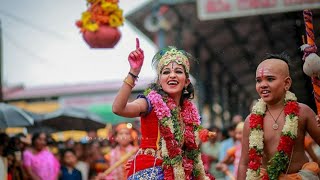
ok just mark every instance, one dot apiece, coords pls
pixel 87 23
pixel 108 7
pixel 118 13
pixel 115 21
pixel 101 12
pixel 85 17
pixel 91 26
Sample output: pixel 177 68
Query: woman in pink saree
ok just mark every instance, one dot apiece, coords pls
pixel 39 162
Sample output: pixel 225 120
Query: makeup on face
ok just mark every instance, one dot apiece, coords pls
pixel 263 71
pixel 172 68
pixel 173 79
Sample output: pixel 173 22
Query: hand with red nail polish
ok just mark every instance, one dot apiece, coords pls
pixel 136 58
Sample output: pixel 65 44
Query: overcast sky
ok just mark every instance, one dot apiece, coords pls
pixel 42 46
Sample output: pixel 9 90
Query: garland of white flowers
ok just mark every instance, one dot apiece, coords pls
pixel 288 134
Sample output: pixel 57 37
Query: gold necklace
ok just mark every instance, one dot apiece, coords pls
pixel 275 125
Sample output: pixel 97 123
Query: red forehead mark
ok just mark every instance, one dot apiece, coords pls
pixel 261 71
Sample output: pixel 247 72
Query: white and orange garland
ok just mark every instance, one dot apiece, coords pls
pixel 178 163
pixel 280 161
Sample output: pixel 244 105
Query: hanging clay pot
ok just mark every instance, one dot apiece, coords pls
pixel 104 37
pixel 311 65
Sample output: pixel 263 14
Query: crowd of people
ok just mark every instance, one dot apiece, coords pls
pixel 277 140
pixel 44 158
pixel 41 157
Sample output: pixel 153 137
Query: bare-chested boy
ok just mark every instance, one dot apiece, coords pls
pixel 273 136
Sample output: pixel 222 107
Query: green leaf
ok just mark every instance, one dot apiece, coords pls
pixel 277 165
pixel 193 154
pixel 147 91
pixel 195 172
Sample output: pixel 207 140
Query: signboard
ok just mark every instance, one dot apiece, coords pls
pixel 218 9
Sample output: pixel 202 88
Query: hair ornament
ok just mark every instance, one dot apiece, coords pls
pixel 171 54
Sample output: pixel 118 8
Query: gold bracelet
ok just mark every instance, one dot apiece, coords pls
pixel 126 80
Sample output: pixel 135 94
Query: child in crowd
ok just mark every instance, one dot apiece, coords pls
pixel 210 150
pixel 68 170
pixel 233 154
pixel 124 145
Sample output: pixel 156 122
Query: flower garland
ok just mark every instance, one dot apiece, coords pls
pixel 100 12
pixel 280 161
pixel 178 163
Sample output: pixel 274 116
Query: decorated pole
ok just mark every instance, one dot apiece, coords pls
pixel 307 16
pixel 311 65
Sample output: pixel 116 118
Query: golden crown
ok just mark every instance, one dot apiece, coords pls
pixel 173 55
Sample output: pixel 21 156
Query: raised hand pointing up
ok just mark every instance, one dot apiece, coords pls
pixel 136 58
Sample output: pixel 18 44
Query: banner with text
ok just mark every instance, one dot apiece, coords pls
pixel 218 9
